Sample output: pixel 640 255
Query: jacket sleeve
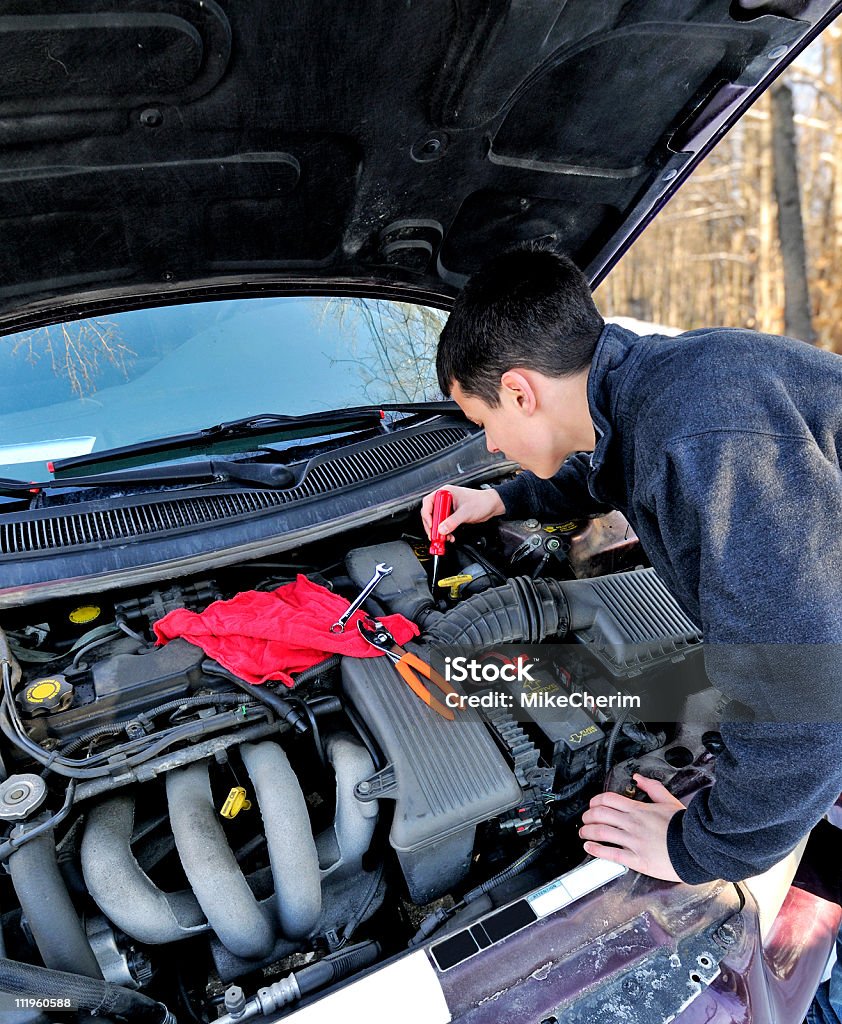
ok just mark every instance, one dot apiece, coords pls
pixel 753 520
pixel 564 496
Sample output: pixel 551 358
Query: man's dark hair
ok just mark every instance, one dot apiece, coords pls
pixel 527 307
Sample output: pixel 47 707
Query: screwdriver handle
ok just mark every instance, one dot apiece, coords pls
pixel 442 507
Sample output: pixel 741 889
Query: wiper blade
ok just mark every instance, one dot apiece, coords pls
pixel 224 438
pixel 227 438
pixel 257 474
pixel 248 424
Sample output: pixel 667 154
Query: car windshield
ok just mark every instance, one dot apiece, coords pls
pixel 87 385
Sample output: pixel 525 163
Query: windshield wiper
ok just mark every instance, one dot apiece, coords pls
pixel 219 471
pixel 227 438
pixel 249 424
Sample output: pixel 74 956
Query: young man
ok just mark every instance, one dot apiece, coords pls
pixel 722 448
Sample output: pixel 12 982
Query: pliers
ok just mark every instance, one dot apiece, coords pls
pixel 375 633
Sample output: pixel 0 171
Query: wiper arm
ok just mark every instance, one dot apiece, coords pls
pixel 226 438
pixel 258 474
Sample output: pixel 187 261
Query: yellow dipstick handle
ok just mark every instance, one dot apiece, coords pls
pixel 235 802
pixel 455 583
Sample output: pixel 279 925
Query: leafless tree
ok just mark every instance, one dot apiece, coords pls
pixel 798 320
pixel 404 336
pixel 724 251
pixel 78 352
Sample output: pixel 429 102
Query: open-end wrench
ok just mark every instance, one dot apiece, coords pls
pixel 380 570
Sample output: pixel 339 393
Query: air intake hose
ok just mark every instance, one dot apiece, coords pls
pixel 522 611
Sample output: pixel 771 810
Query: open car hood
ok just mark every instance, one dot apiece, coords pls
pixel 155 148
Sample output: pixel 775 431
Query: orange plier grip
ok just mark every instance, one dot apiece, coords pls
pixel 407 665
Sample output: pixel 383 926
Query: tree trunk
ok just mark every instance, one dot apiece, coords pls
pixel 798 321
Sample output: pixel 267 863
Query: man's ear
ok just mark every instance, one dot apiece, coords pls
pixel 518 387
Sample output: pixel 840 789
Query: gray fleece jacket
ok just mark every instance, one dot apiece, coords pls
pixel 722 449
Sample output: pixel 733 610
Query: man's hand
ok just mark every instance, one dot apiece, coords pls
pixel 638 830
pixel 470 505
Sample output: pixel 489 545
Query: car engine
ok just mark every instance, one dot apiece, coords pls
pixel 175 831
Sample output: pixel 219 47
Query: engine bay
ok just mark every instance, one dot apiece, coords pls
pixel 229 850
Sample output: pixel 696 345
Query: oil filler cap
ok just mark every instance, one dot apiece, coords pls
pixel 50 693
pixel 84 614
pixel 20 795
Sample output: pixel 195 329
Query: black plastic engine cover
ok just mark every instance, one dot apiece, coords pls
pixel 125 684
pixel 169 670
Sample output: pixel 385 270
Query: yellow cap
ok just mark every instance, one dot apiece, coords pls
pixel 43 690
pixel 455 583
pixel 235 802
pixel 84 614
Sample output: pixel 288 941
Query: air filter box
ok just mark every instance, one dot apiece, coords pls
pixel 630 621
pixel 444 776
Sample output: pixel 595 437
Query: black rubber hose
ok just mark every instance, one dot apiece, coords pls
pixel 336 966
pixel 612 742
pixel 82 651
pixel 127 629
pixel 204 700
pixel 282 708
pixel 343 582
pixel 366 902
pixel 100 997
pixel 314 671
pixel 527 610
pixel 48 909
pixel 480 559
pixel 366 737
pixel 327 705
pixel 523 611
pixel 532 606
pixel 434 921
pixel 314 727
pixel 513 869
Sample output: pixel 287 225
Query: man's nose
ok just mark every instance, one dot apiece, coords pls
pixel 490 445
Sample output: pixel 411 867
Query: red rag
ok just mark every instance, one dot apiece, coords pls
pixel 260 635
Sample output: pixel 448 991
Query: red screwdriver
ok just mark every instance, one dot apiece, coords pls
pixel 442 507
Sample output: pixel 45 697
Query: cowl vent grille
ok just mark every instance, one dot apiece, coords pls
pixel 42 531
